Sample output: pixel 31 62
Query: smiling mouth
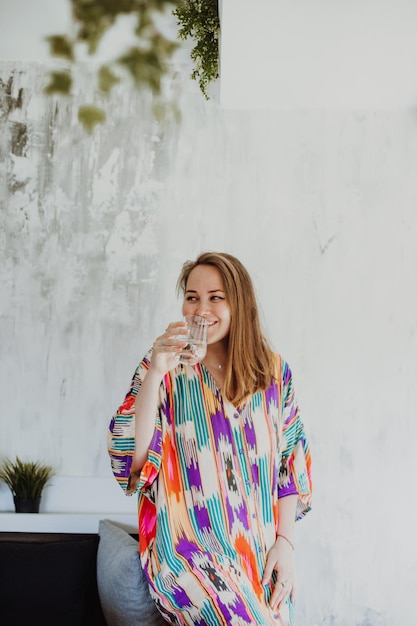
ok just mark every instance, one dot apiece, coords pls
pixel 206 323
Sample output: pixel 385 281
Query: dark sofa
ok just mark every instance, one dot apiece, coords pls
pixel 63 579
pixel 49 579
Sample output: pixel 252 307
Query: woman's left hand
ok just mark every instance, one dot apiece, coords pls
pixel 281 559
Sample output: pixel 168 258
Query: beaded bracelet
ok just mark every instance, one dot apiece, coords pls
pixel 287 540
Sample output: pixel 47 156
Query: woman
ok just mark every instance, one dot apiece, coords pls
pixel 218 453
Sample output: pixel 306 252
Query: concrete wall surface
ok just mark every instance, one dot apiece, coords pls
pixel 321 208
pixel 327 54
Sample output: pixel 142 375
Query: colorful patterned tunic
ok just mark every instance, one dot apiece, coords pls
pixel 209 493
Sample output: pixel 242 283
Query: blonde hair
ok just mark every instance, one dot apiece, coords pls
pixel 250 365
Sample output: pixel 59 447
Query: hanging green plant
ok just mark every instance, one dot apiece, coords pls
pixel 146 62
pixel 199 20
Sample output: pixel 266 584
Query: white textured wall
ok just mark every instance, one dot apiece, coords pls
pixel 327 54
pixel 321 207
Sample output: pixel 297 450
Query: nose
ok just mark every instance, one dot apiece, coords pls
pixel 202 310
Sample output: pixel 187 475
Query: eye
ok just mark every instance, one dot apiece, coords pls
pixel 216 298
pixel 191 298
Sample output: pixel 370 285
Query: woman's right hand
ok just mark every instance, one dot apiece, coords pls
pixel 166 347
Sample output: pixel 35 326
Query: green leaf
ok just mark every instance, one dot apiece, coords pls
pixel 106 79
pixel 90 116
pixel 60 83
pixel 61 46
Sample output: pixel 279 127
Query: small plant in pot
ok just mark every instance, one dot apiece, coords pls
pixel 26 481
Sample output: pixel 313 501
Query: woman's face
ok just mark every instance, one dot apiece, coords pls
pixel 205 296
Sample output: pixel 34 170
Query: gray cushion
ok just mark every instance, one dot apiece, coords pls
pixel 122 586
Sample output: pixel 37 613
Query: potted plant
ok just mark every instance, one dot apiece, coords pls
pixel 26 481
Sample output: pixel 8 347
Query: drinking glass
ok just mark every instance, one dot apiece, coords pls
pixel 196 348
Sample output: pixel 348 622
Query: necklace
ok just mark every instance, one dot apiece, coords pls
pixel 216 361
pixel 219 366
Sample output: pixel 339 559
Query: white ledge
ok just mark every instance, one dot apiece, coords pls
pixel 63 522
